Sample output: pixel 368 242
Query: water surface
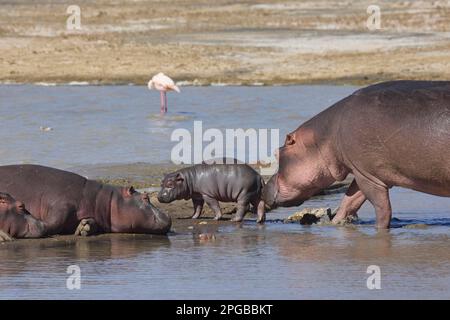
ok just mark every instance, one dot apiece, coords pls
pixel 121 124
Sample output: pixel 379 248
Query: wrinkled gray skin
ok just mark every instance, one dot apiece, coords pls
pixel 389 134
pixel 67 203
pixel 211 183
pixel 16 221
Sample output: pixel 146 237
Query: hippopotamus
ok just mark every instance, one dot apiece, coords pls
pixel 389 134
pixel 68 203
pixel 212 183
pixel 16 221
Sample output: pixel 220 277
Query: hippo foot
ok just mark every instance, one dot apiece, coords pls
pixel 217 218
pixel 195 216
pixel 348 219
pixel 87 227
pixel 237 219
pixel 5 237
pixel 261 220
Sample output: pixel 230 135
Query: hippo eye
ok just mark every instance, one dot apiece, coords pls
pixel 169 184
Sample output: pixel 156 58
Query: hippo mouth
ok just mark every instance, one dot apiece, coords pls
pixel 274 198
pixel 284 203
pixel 290 203
pixel 163 221
pixel 165 195
pixel 285 199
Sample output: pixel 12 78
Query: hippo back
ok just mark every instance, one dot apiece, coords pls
pixel 40 186
pixel 398 133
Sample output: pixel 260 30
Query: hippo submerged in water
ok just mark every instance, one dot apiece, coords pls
pixel 212 183
pixel 389 134
pixel 66 203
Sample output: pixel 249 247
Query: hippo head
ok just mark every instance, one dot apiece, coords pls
pixel 9 205
pixel 132 211
pixel 173 187
pixel 300 172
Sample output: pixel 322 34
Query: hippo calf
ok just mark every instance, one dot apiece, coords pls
pixel 66 203
pixel 16 221
pixel 212 183
pixel 390 134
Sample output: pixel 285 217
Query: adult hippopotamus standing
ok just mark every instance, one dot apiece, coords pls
pixel 68 203
pixel 389 134
pixel 16 221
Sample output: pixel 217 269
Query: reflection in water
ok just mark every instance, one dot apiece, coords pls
pixel 37 268
pixel 100 248
pixel 272 261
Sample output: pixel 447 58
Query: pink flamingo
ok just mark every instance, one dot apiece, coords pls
pixel 162 83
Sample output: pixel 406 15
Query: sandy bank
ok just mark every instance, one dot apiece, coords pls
pixel 243 43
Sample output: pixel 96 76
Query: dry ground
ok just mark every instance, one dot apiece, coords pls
pixel 223 41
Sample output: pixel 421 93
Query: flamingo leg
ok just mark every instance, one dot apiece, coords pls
pixel 165 102
pixel 162 94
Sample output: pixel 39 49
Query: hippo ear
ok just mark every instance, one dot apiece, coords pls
pixel 289 139
pixel 129 191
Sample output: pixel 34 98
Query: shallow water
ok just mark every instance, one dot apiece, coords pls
pixel 275 261
pixel 120 125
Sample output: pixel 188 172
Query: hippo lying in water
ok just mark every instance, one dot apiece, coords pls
pixel 212 183
pixel 390 134
pixel 67 203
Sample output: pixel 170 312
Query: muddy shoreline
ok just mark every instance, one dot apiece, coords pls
pixel 147 177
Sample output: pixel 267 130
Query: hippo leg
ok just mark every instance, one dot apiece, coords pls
pixel 258 205
pixel 214 205
pixel 350 204
pixel 261 213
pixel 379 197
pixel 87 227
pixel 4 236
pixel 242 208
pixel 198 206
